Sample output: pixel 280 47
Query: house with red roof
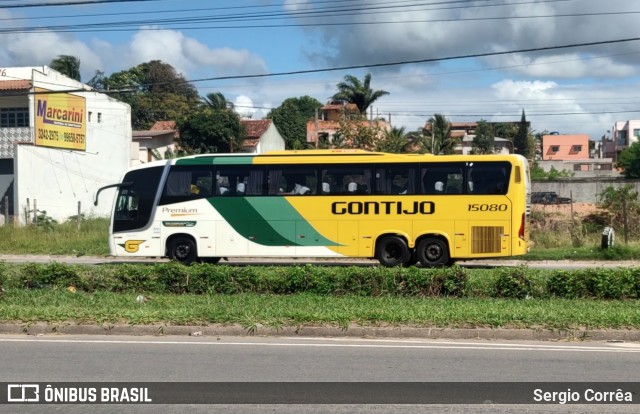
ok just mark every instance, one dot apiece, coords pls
pixel 155 142
pixel 262 136
pixel 322 129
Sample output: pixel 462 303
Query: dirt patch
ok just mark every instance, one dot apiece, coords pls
pixel 579 209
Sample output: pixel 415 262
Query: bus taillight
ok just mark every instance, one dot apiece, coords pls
pixel 522 223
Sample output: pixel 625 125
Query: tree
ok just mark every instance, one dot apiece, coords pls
pixel 291 119
pixel 484 141
pixel 358 93
pixel 523 142
pixel 67 65
pixel 629 161
pixel 216 100
pixel 439 140
pixel 393 141
pixel 155 92
pixel 357 134
pixel 210 131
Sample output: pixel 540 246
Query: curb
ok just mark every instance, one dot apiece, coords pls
pixel 326 331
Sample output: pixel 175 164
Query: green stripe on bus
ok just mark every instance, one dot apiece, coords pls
pixel 213 160
pixel 269 221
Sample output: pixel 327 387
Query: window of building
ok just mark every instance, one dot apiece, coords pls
pixel 636 133
pixel 99 117
pixel 14 117
pixel 555 148
pixel 576 148
pixel 622 138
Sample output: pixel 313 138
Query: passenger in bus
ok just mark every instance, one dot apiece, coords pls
pixel 399 184
pixel 326 188
pixel 439 187
pixel 298 189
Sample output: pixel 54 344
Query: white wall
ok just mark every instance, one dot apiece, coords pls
pixel 271 140
pixel 57 178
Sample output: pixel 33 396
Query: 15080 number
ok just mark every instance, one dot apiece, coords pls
pixel 488 207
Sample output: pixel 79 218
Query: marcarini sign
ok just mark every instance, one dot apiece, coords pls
pixel 60 120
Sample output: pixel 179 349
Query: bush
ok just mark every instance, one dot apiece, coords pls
pixel 34 276
pixel 513 283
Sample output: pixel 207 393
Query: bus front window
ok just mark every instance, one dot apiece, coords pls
pixel 135 201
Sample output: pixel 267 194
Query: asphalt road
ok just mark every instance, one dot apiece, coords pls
pixel 80 359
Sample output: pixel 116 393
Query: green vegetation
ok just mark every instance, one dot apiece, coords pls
pixel 57 239
pixel 314 295
pixel 275 311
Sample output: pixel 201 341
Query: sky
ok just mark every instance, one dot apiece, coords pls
pixel 571 65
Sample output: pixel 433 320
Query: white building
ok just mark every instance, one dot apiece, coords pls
pixel 262 136
pixel 59 142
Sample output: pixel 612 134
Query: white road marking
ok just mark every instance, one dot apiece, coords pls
pixel 330 343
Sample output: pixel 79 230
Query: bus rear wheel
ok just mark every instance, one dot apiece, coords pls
pixel 183 250
pixel 432 252
pixel 392 251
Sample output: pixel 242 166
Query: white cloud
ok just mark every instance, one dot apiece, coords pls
pixel 244 106
pixel 187 54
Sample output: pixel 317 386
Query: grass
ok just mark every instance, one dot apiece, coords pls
pixel 57 239
pixel 250 310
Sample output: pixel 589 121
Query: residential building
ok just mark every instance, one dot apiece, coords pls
pixel 156 142
pixel 465 132
pixel 621 136
pixel 322 129
pixel 565 147
pixel 262 136
pixel 59 142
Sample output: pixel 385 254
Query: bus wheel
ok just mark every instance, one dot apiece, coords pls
pixel 413 259
pixel 392 251
pixel 183 250
pixel 432 252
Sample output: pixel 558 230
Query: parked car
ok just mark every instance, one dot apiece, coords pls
pixel 548 197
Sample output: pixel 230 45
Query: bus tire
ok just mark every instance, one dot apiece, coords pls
pixel 392 251
pixel 433 252
pixel 413 260
pixel 183 250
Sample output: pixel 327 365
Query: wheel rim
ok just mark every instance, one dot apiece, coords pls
pixel 393 252
pixel 183 251
pixel 433 252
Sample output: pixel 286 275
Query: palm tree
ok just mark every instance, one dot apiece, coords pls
pixel 440 141
pixel 217 101
pixel 67 65
pixel 358 93
pixel 394 141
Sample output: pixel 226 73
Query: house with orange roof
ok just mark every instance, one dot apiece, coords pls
pixel 261 136
pixel 162 137
pixel 326 124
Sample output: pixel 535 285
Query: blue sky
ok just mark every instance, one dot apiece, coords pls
pixel 569 90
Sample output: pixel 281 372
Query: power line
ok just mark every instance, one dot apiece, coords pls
pixel 430 60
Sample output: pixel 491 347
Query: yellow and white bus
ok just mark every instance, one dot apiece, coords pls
pixel 397 208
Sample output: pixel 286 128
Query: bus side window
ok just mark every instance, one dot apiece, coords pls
pixel 442 178
pixel 489 178
pixel 396 179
